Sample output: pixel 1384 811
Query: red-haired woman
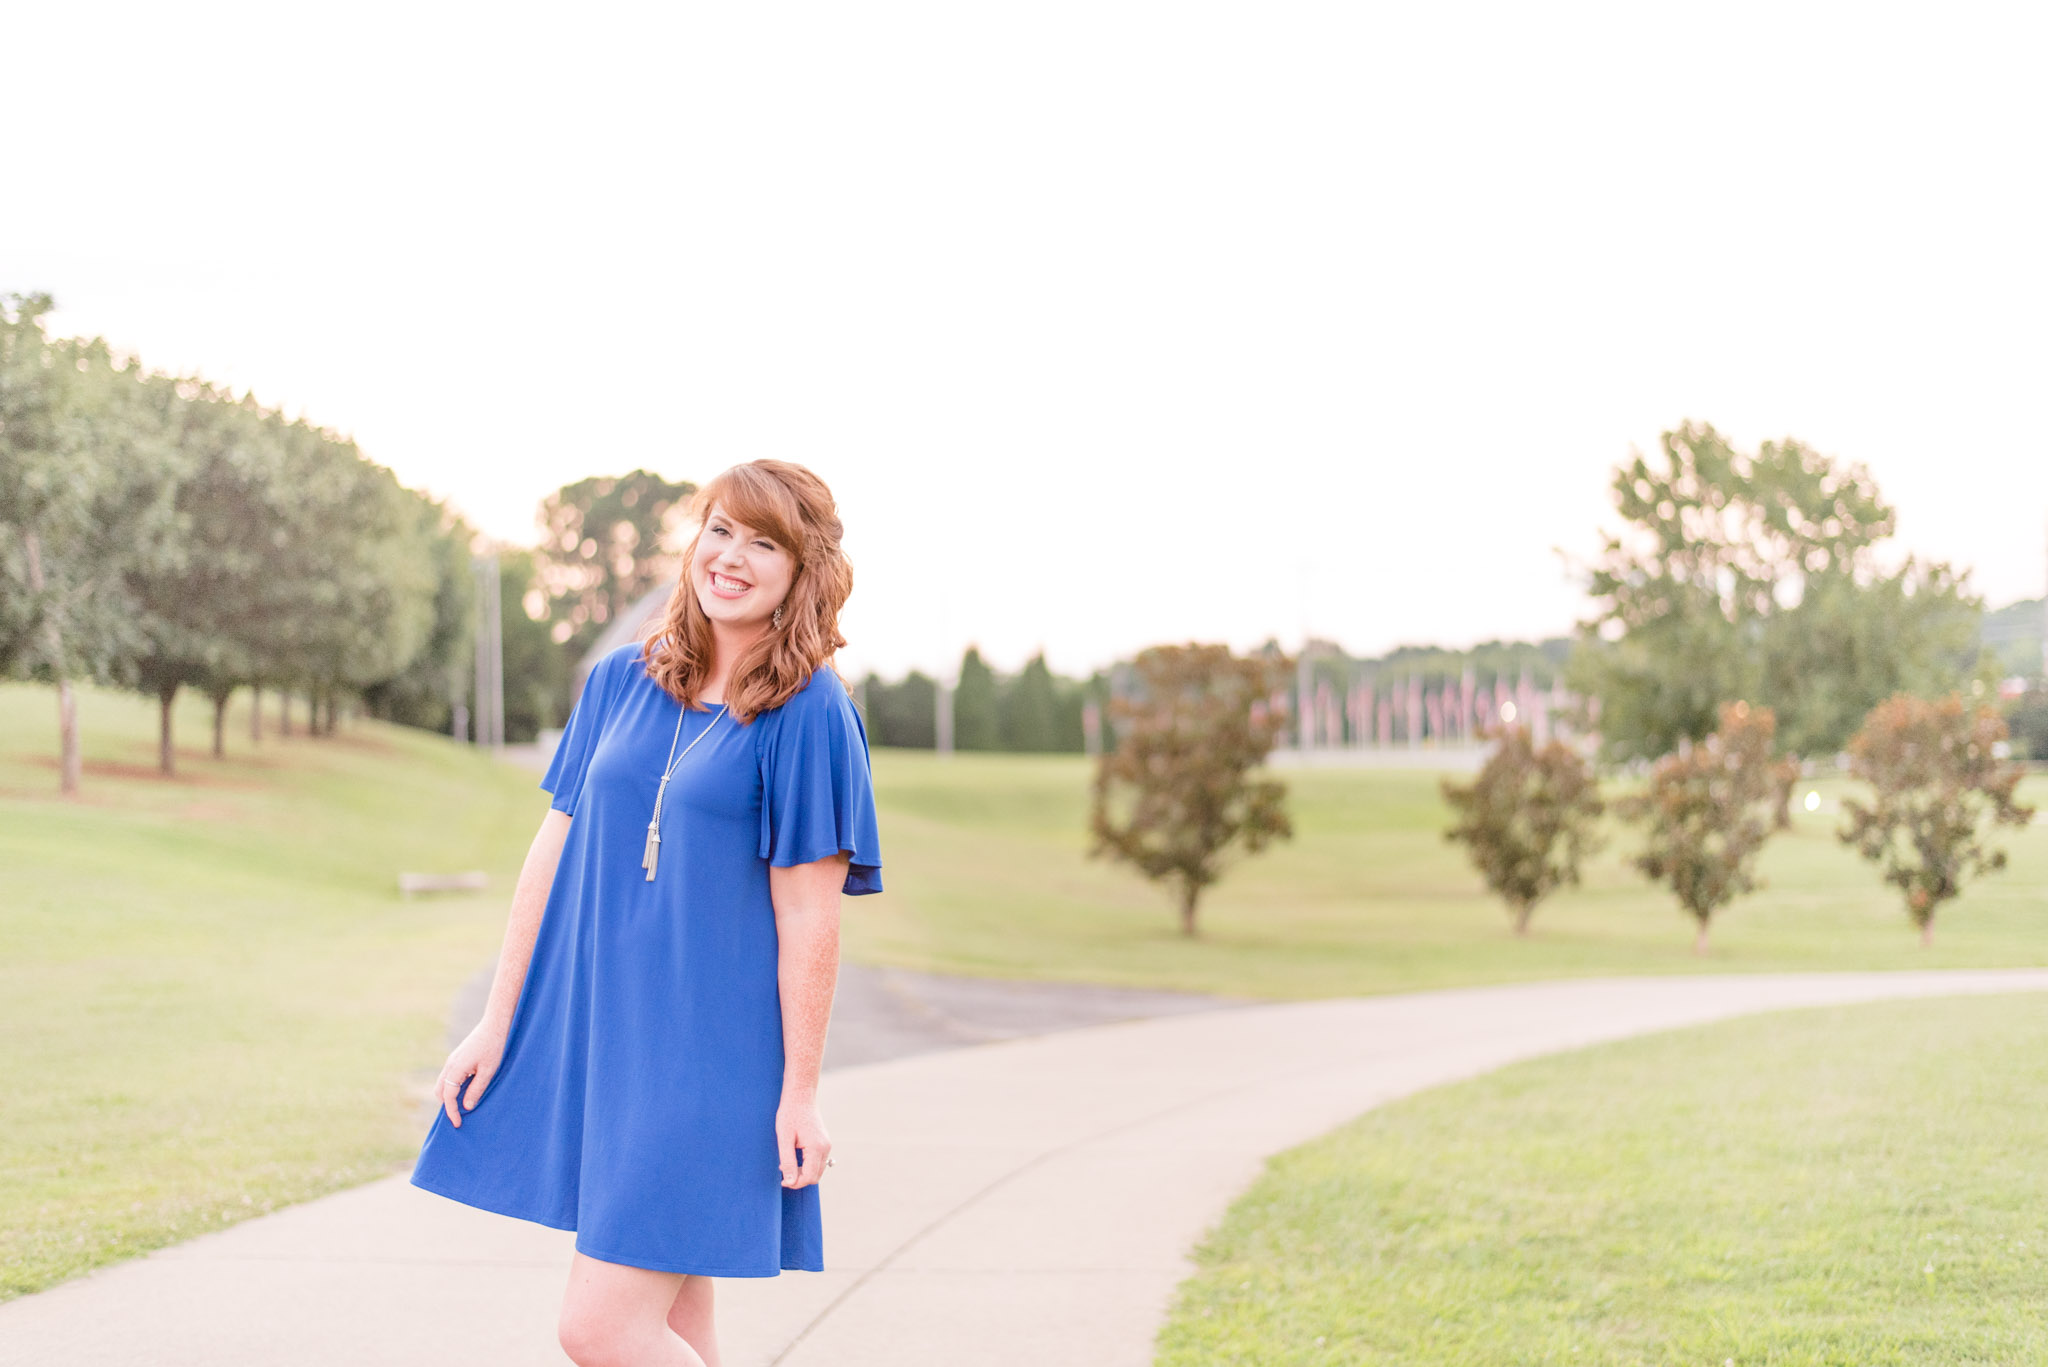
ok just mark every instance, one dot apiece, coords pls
pixel 646 1071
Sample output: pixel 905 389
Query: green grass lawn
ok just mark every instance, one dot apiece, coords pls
pixel 212 1000
pixel 1850 1187
pixel 988 873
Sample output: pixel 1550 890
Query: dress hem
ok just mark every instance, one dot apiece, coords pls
pixel 627 1260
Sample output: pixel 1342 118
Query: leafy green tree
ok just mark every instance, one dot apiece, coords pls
pixel 977 724
pixel 608 540
pixel 903 714
pixel 196 616
pixel 2027 719
pixel 537 671
pixel 1030 711
pixel 1935 776
pixel 87 488
pixel 1754 576
pixel 365 588
pixel 1178 794
pixel 1527 819
pixel 425 691
pixel 1708 811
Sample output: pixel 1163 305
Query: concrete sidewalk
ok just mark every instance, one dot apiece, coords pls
pixel 1029 1201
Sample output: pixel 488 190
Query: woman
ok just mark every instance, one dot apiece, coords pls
pixel 646 1070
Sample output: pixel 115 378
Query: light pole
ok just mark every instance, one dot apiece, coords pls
pixel 490 654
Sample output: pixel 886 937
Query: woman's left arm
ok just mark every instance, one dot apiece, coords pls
pixel 806 900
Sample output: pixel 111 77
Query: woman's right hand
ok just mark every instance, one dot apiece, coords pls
pixel 475 1061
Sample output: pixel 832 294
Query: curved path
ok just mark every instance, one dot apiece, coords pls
pixel 1028 1201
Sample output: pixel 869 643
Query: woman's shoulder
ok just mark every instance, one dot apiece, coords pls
pixel 622 662
pixel 822 696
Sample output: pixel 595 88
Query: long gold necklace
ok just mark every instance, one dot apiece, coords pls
pixel 653 853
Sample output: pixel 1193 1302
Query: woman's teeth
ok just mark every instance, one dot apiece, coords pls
pixel 729 585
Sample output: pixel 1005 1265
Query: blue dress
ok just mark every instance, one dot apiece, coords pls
pixel 636 1100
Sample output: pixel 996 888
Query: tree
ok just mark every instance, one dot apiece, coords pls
pixel 1030 711
pixel 359 582
pixel 537 671
pixel 2028 720
pixel 425 692
pixel 87 483
pixel 902 714
pixel 977 716
pixel 1528 818
pixel 1709 810
pixel 1754 576
pixel 1935 775
pixel 195 615
pixel 1177 795
pixel 608 541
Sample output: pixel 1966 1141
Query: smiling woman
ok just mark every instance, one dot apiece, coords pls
pixel 646 1071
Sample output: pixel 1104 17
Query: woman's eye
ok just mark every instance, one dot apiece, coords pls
pixel 765 545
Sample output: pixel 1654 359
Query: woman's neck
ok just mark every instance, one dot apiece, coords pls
pixel 727 645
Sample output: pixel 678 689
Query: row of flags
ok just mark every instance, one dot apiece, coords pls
pixel 1413 712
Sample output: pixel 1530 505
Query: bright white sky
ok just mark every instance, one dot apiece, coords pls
pixel 1110 323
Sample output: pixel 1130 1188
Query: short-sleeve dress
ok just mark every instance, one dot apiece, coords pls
pixel 636 1100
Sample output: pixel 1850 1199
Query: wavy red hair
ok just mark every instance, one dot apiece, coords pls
pixel 792 507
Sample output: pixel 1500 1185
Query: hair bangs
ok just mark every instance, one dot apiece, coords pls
pixel 758 500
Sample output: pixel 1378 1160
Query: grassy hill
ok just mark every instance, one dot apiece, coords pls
pixel 212 1000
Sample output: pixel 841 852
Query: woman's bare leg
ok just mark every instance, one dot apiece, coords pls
pixel 617 1316
pixel 690 1317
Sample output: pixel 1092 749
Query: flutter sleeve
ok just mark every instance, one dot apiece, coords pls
pixel 818 796
pixel 572 755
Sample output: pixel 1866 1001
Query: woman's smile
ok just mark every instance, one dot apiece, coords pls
pixel 725 586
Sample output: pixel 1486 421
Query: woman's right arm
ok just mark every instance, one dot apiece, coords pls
pixel 480 1053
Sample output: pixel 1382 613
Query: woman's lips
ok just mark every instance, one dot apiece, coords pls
pixel 725 586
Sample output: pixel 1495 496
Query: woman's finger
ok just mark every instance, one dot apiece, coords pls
pixel 815 1152
pixel 477 1087
pixel 785 1141
pixel 449 1087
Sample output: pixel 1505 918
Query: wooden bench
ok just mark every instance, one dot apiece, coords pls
pixel 410 883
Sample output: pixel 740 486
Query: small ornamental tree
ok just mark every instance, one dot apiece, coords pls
pixel 1934 775
pixel 1177 795
pixel 1709 810
pixel 1527 818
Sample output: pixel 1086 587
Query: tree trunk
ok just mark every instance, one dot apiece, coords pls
pixel 68 762
pixel 1699 943
pixel 255 714
pixel 220 726
pixel 1927 933
pixel 68 765
pixel 1522 919
pixel 1188 896
pixel 284 712
pixel 166 751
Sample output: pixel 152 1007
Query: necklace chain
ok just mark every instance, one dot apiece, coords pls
pixel 652 855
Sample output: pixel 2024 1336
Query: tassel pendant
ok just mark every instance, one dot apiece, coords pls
pixel 652 856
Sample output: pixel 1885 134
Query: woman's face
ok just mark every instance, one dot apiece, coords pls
pixel 741 575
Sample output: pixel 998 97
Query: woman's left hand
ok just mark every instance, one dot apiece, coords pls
pixel 798 1126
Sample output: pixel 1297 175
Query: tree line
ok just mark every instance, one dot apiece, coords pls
pixel 162 533
pixel 1033 711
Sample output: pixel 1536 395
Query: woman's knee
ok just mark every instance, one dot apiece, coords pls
pixel 592 1339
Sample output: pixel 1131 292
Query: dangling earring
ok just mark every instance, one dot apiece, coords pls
pixel 777 619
